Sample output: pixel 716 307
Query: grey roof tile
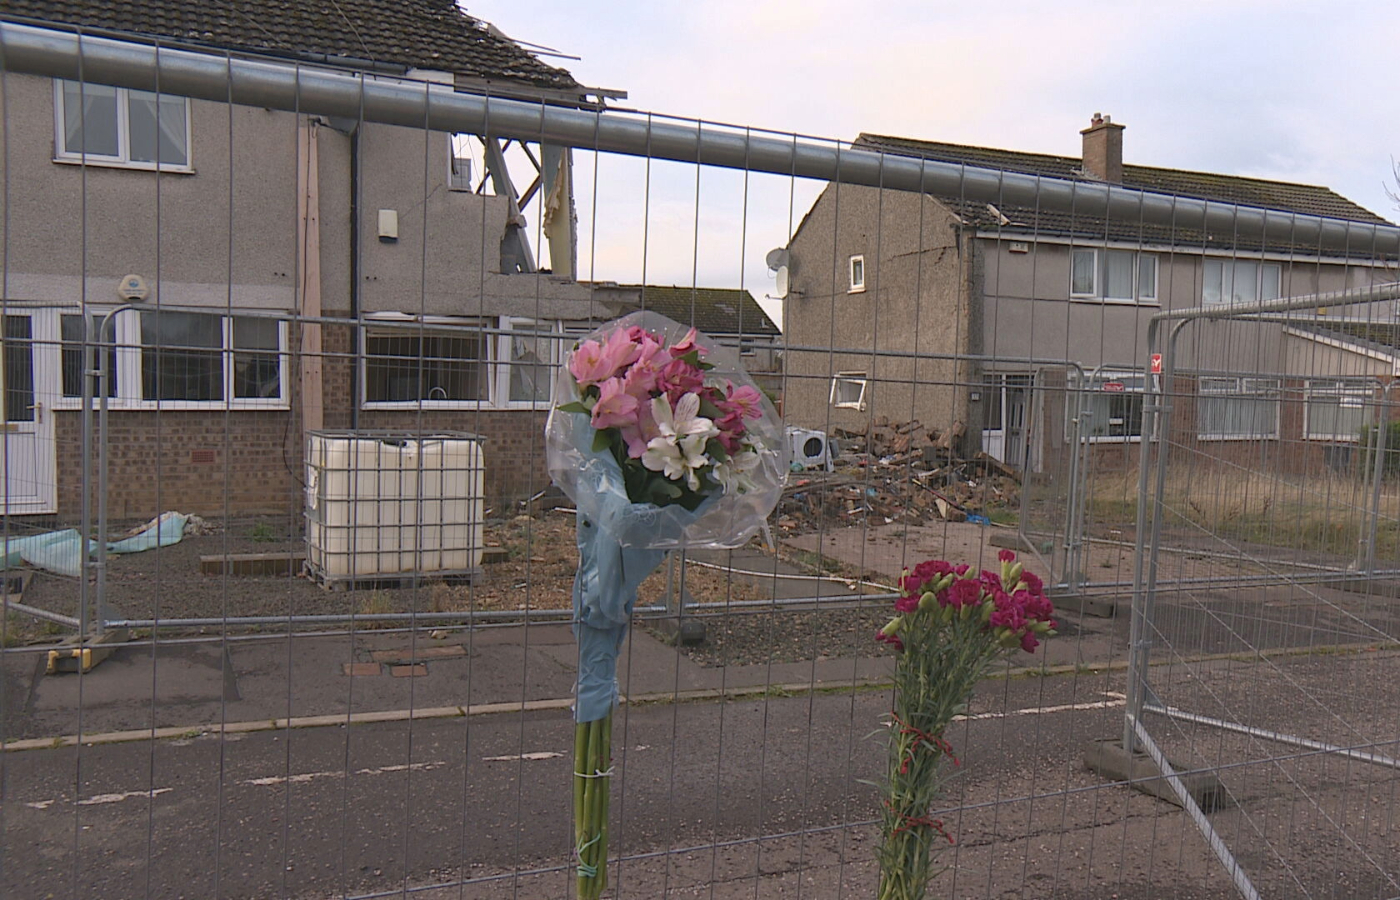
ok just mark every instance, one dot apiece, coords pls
pixel 425 34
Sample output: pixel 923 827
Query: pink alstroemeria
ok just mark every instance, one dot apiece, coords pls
pixel 593 362
pixel 745 400
pixel 679 378
pixel 615 407
pixel 687 344
pixel 640 433
pixel 731 432
pixel 641 379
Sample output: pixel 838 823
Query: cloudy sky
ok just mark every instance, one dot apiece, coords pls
pixel 1298 91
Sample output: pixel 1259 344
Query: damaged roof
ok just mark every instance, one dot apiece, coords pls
pixel 1303 199
pixel 714 311
pixel 421 34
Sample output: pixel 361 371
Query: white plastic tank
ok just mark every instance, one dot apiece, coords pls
pixel 390 505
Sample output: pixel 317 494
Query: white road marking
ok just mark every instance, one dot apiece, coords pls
pixel 1116 700
pixel 514 757
pixel 304 777
pixel 98 799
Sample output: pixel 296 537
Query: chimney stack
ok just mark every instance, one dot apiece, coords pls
pixel 1103 150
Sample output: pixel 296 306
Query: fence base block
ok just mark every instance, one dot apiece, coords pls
pixel 1107 758
pixel 681 630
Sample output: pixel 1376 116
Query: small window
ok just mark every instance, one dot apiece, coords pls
pixel 1337 410
pixel 1082 276
pixel 848 390
pixel 857 274
pixel 104 125
pixel 1231 408
pixel 419 364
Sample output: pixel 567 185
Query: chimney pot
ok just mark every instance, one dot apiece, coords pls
pixel 1103 150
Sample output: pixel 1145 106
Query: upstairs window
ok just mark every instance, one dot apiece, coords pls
pixel 104 125
pixel 1239 282
pixel 1125 276
pixel 857 275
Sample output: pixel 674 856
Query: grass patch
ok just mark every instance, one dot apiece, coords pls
pixel 1325 514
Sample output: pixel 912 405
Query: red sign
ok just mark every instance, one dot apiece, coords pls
pixel 1156 364
pixel 1113 387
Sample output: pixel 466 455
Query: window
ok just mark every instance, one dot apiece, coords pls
pixel 180 359
pixel 1239 281
pixel 857 274
pixel 1125 276
pixel 1113 401
pixel 529 362
pixel 96 123
pixel 1237 408
pixel 422 365
pixel 73 339
pixel 1337 409
pixel 848 390
pixel 17 400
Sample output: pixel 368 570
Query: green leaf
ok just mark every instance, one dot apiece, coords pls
pixel 574 407
pixel 601 440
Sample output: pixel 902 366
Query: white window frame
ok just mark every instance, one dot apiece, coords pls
pixel 858 379
pixel 1134 382
pixel 126 334
pixel 123 158
pixel 1244 389
pixel 857 283
pixel 1344 389
pixel 497 364
pixel 1260 267
pixel 1099 257
pixel 500 390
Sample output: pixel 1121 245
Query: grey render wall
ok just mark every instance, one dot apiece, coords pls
pixel 1028 311
pixel 233 222
pixel 915 301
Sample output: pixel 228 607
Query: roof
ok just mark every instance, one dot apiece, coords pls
pixel 1284 196
pixel 423 34
pixel 1380 337
pixel 712 310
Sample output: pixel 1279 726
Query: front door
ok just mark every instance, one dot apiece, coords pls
pixel 27 474
pixel 1004 434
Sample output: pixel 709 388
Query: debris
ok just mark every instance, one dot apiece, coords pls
pixel 901 472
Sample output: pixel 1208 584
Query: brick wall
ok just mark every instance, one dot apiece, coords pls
pixel 202 462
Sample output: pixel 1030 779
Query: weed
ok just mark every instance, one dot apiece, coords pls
pixel 262 533
pixel 376 603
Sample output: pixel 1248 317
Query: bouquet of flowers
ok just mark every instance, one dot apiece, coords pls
pixel 953 623
pixel 663 442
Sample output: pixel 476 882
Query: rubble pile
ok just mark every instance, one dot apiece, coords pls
pixel 898 472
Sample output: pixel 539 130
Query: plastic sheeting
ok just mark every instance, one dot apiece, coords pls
pixel 62 551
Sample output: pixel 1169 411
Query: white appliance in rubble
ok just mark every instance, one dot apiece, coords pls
pixel 386 505
pixel 810 448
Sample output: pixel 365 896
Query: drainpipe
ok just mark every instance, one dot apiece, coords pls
pixel 355 278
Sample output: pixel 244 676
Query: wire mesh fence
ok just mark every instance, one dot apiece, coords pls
pixel 288 590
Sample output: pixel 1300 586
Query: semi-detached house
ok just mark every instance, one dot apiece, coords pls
pixel 203 217
pixel 933 306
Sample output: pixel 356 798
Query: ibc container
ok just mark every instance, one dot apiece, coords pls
pixel 388 505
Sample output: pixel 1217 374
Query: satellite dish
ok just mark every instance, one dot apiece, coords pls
pixel 777 258
pixel 781 289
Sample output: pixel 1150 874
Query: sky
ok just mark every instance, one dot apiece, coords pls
pixel 1280 89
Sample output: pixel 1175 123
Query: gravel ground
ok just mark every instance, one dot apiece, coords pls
pixel 536 572
pixel 768 636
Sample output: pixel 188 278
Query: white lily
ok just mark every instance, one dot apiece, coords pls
pixel 733 473
pixel 679 450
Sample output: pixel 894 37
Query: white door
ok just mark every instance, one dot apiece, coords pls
pixel 1004 437
pixel 26 412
